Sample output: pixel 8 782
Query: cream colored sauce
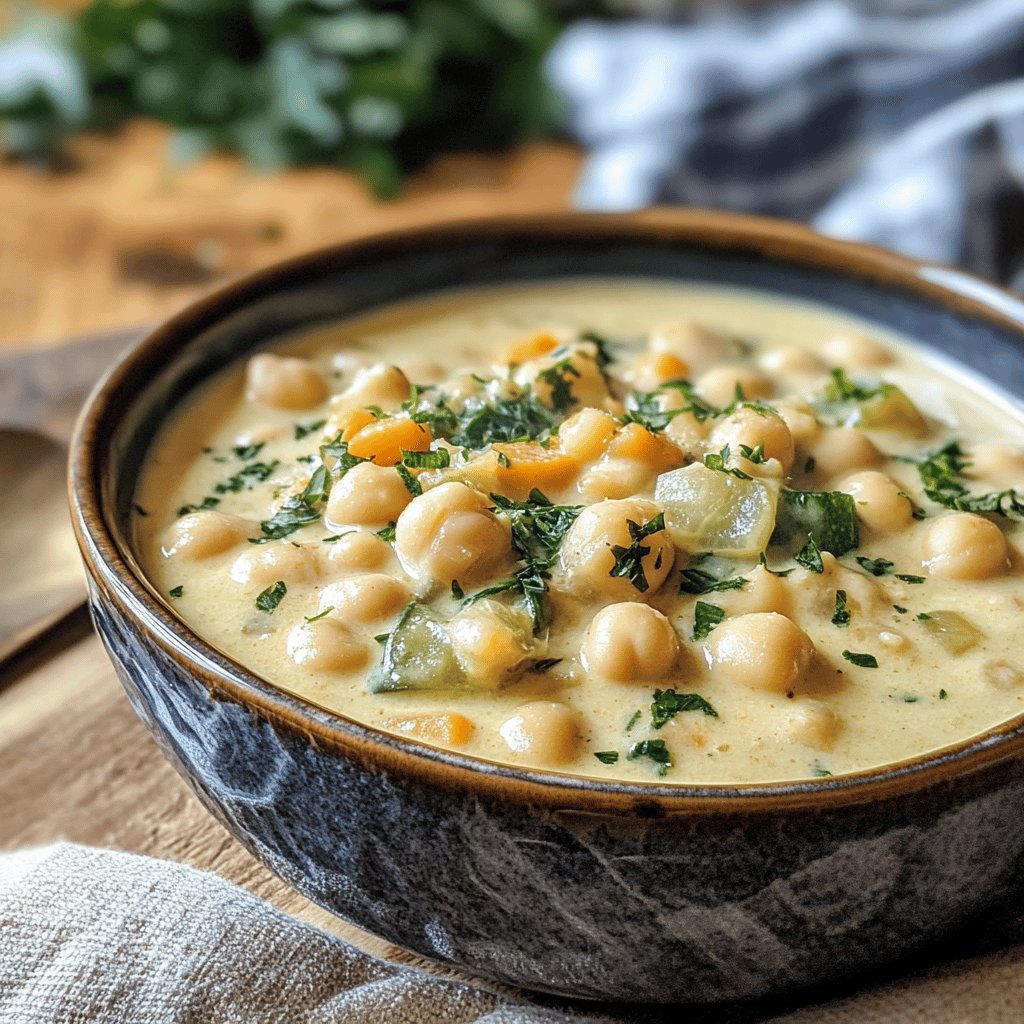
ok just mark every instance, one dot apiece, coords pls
pixel 884 715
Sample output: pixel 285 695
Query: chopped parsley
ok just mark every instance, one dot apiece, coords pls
pixel 502 419
pixel 940 476
pixel 208 502
pixel 604 355
pixel 270 598
pixel 629 560
pixel 843 389
pixel 901 609
pixel 943 695
pixel 245 478
pixel 819 772
pixel 841 616
pixel 437 458
pixel 809 556
pixel 876 566
pixel 176 592
pixel 319 615
pixel 305 429
pixel 607 756
pixel 559 380
pixel 387 533
pixel 245 452
pixel 457 592
pixel 654 750
pixel 667 704
pixel 908 578
pixel 633 719
pixel 720 461
pixel 861 660
pixel 412 485
pixel 755 455
pixel 705 618
pixel 697 581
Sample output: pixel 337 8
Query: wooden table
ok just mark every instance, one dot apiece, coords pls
pixel 125 239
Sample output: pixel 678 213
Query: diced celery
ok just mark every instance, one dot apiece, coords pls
pixel 952 630
pixel 418 655
pixel 708 510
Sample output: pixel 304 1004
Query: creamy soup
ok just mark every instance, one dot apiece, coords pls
pixel 639 531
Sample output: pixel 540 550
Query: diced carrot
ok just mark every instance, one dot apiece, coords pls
pixel 383 440
pixel 524 465
pixel 636 442
pixel 351 422
pixel 530 348
pixel 447 730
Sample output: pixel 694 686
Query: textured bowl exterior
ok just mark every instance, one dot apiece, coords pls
pixel 583 888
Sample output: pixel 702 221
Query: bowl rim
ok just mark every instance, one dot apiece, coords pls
pixel 119 580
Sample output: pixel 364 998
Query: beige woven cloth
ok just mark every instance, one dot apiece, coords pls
pixel 91 935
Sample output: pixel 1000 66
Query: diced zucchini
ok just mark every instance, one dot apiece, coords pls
pixel 952 630
pixel 708 510
pixel 418 655
pixel 830 517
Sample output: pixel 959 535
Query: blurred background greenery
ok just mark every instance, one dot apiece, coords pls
pixel 374 86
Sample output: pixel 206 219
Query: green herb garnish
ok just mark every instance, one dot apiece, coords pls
pixel 876 566
pixel 841 616
pixel 705 618
pixel 655 750
pixel 908 578
pixel 248 451
pixel 457 592
pixel 319 615
pixel 304 430
pixel 503 420
pixel 270 598
pixel 633 719
pixel 629 560
pixel 437 458
pixel 830 517
pixel 940 475
pixel 720 461
pixel 412 485
pixel 809 556
pixel 208 502
pixel 607 756
pixel 176 592
pixel 559 379
pixel 861 660
pixel 667 704
pixel 697 581
pixel 387 533
pixel 544 664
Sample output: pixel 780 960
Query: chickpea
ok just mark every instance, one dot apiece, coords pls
pixel 697 345
pixel 752 428
pixel 1002 675
pixel 814 724
pixel 763 592
pixel 205 534
pixel 856 350
pixel 841 450
pixel 763 651
pixel 799 417
pixel 616 478
pixel 379 384
pixel 965 546
pixel 326 645
pixel 587 560
pixel 630 643
pixel 881 504
pixel 587 383
pixel 367 495
pixel 719 385
pixel 360 550
pixel 284 382
pixel 792 359
pixel 371 597
pixel 492 642
pixel 685 429
pixel 279 560
pixel 586 434
pixel 542 733
pixel 652 369
pixel 449 533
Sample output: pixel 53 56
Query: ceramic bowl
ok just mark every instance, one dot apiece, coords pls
pixel 586 888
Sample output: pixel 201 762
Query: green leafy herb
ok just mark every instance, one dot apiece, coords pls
pixel 861 660
pixel 754 455
pixel 255 472
pixel 457 592
pixel 830 517
pixel 910 698
pixel 941 478
pixel 387 533
pixel 781 573
pixel 208 502
pixel 176 592
pixel 607 756
pixel 412 485
pixel 720 461
pixel 943 695
pixel 559 380
pixel 667 704
pixel 841 616
pixel 654 750
pixel 604 348
pixel 305 429
pixel 843 389
pixel 819 772
pixel 270 598
pixel 319 615
pixel 382 638
pixel 901 609
pixel 697 581
pixel 705 618
pixel 502 420
pixel 343 460
pixel 809 556
pixel 634 718
pixel 629 560
pixel 876 566
pixel 437 458
pixel 908 578
pixel 249 451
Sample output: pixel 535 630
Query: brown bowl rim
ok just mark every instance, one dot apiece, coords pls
pixel 119 580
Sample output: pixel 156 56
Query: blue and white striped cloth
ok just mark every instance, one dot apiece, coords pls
pixel 900 123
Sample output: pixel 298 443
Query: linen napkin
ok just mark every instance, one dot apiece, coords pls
pixel 899 122
pixel 104 937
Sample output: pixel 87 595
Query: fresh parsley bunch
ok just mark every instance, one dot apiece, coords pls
pixel 375 86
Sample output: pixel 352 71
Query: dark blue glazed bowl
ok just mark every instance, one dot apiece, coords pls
pixel 580 887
